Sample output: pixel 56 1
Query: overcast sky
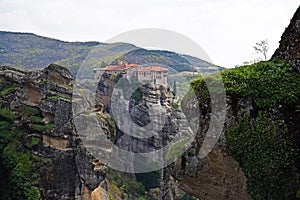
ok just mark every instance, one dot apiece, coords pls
pixel 226 29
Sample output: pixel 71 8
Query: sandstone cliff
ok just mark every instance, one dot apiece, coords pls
pixel 41 154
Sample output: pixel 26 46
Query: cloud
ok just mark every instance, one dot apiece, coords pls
pixel 226 29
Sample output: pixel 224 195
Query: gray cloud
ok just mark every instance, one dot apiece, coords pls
pixel 226 29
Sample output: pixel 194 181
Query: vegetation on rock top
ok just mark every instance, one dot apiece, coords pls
pixel 266 154
pixel 268 83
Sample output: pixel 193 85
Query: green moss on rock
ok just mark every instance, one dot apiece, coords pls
pixel 22 178
pixel 35 119
pixel 34 141
pixel 269 83
pixel 46 127
pixel 29 111
pixel 8 89
pixel 7 114
pixel 266 154
pixel 20 170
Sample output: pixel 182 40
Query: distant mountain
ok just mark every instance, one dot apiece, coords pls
pixel 174 60
pixel 30 51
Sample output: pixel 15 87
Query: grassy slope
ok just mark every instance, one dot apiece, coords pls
pixel 176 61
pixel 26 50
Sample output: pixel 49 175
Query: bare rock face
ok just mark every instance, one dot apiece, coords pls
pixel 31 96
pixel 289 48
pixel 217 175
pixel 99 193
pixel 156 96
pixel 104 90
pixel 153 96
pixel 139 113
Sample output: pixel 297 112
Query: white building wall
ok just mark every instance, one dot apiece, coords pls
pixel 157 77
pixel 154 77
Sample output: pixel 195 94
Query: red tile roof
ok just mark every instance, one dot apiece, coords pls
pixel 133 65
pixel 118 67
pixel 153 68
pixel 125 66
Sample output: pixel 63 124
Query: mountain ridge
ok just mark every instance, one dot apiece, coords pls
pixel 31 51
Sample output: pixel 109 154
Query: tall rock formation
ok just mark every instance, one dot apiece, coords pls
pixel 40 149
pixel 289 45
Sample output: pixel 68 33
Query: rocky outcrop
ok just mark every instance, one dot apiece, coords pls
pixel 157 98
pixel 41 103
pixel 104 90
pixel 150 105
pixel 289 46
pixel 217 175
pixel 99 193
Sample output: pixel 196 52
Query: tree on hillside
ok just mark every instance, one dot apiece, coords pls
pixel 262 47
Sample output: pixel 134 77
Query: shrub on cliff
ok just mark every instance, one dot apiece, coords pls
pixel 266 154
